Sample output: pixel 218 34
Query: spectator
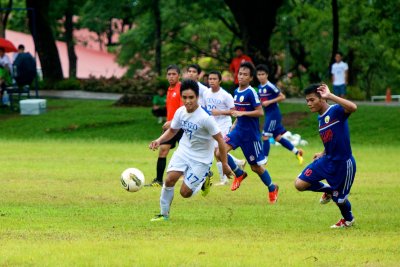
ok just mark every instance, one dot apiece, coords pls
pixel 339 73
pixel 159 110
pixel 5 71
pixel 236 61
pixel 21 49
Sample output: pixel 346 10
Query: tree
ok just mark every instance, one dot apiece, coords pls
pixel 256 21
pixel 44 40
pixel 4 14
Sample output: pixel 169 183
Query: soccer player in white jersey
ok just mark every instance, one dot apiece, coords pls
pixel 195 153
pixel 220 104
pixel 193 73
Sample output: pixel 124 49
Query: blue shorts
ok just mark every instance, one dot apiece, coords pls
pixel 338 173
pixel 252 150
pixel 273 127
pixel 339 89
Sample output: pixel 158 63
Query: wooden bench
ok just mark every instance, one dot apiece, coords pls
pixel 383 97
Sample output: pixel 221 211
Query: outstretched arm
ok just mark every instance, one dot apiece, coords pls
pixel 349 107
pixel 167 135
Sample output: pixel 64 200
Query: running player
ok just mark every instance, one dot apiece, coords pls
pixel 246 134
pixel 219 103
pixel 270 96
pixel 195 153
pixel 336 163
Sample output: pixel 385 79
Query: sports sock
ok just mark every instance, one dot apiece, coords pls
pixel 345 209
pixel 286 143
pixel 222 177
pixel 267 181
pixel 167 195
pixel 235 168
pixel 161 163
pixel 266 147
pixel 320 187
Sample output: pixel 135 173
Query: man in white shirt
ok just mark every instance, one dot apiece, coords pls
pixel 339 73
pixel 220 104
pixel 195 152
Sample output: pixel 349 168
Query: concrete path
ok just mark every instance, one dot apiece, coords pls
pixel 77 94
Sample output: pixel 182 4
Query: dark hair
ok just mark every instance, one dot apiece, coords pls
pixel 190 84
pixel 262 67
pixel 174 67
pixel 216 73
pixel 312 88
pixel 249 66
pixel 239 47
pixel 195 66
pixel 340 53
pixel 21 46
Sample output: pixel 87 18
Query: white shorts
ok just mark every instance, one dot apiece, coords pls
pixel 225 128
pixel 194 172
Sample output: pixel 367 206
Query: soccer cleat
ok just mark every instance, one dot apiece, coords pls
pixel 160 218
pixel 326 198
pixel 238 180
pixel 273 196
pixel 342 223
pixel 241 163
pixel 205 188
pixel 299 156
pixel 154 183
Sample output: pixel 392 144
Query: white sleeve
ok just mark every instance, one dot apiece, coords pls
pixel 175 123
pixel 229 100
pixel 211 125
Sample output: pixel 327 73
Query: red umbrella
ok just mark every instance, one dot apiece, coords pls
pixel 7 45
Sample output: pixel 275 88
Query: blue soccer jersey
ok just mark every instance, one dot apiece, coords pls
pixel 334 133
pixel 273 118
pixel 247 100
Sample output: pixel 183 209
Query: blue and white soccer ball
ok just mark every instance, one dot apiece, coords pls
pixel 132 179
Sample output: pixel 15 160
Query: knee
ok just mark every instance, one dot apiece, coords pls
pixel 300 185
pixel 163 153
pixel 185 193
pixel 257 169
pixel 278 138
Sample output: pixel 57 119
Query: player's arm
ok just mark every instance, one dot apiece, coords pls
pixel 277 99
pixel 223 154
pixel 257 112
pixel 167 135
pixel 348 106
pixel 218 112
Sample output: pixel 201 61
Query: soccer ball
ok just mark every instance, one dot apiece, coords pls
pixel 132 179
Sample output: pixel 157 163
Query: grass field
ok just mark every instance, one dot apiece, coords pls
pixel 61 203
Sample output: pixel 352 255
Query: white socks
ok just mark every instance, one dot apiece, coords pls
pixel 167 195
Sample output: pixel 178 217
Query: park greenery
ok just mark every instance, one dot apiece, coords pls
pixel 296 38
pixel 61 202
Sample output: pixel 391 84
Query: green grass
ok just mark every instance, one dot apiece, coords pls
pixel 61 203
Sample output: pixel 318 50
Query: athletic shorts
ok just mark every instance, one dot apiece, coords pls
pixel 225 128
pixel 339 89
pixel 252 150
pixel 194 172
pixel 338 173
pixel 174 139
pixel 273 127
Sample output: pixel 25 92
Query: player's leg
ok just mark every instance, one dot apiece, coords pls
pixel 310 178
pixel 267 133
pixel 340 194
pixel 280 130
pixel 196 179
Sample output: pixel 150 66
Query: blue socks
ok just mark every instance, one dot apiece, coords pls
pixel 345 209
pixel 266 147
pixel 285 143
pixel 320 187
pixel 235 168
pixel 267 181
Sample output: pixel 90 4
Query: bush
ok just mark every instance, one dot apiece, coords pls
pixel 355 93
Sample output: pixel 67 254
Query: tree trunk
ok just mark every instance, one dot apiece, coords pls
pixel 69 39
pixel 44 40
pixel 256 20
pixel 4 14
pixel 157 17
pixel 335 31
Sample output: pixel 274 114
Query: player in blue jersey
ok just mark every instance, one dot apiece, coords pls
pixel 336 163
pixel 270 96
pixel 246 134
